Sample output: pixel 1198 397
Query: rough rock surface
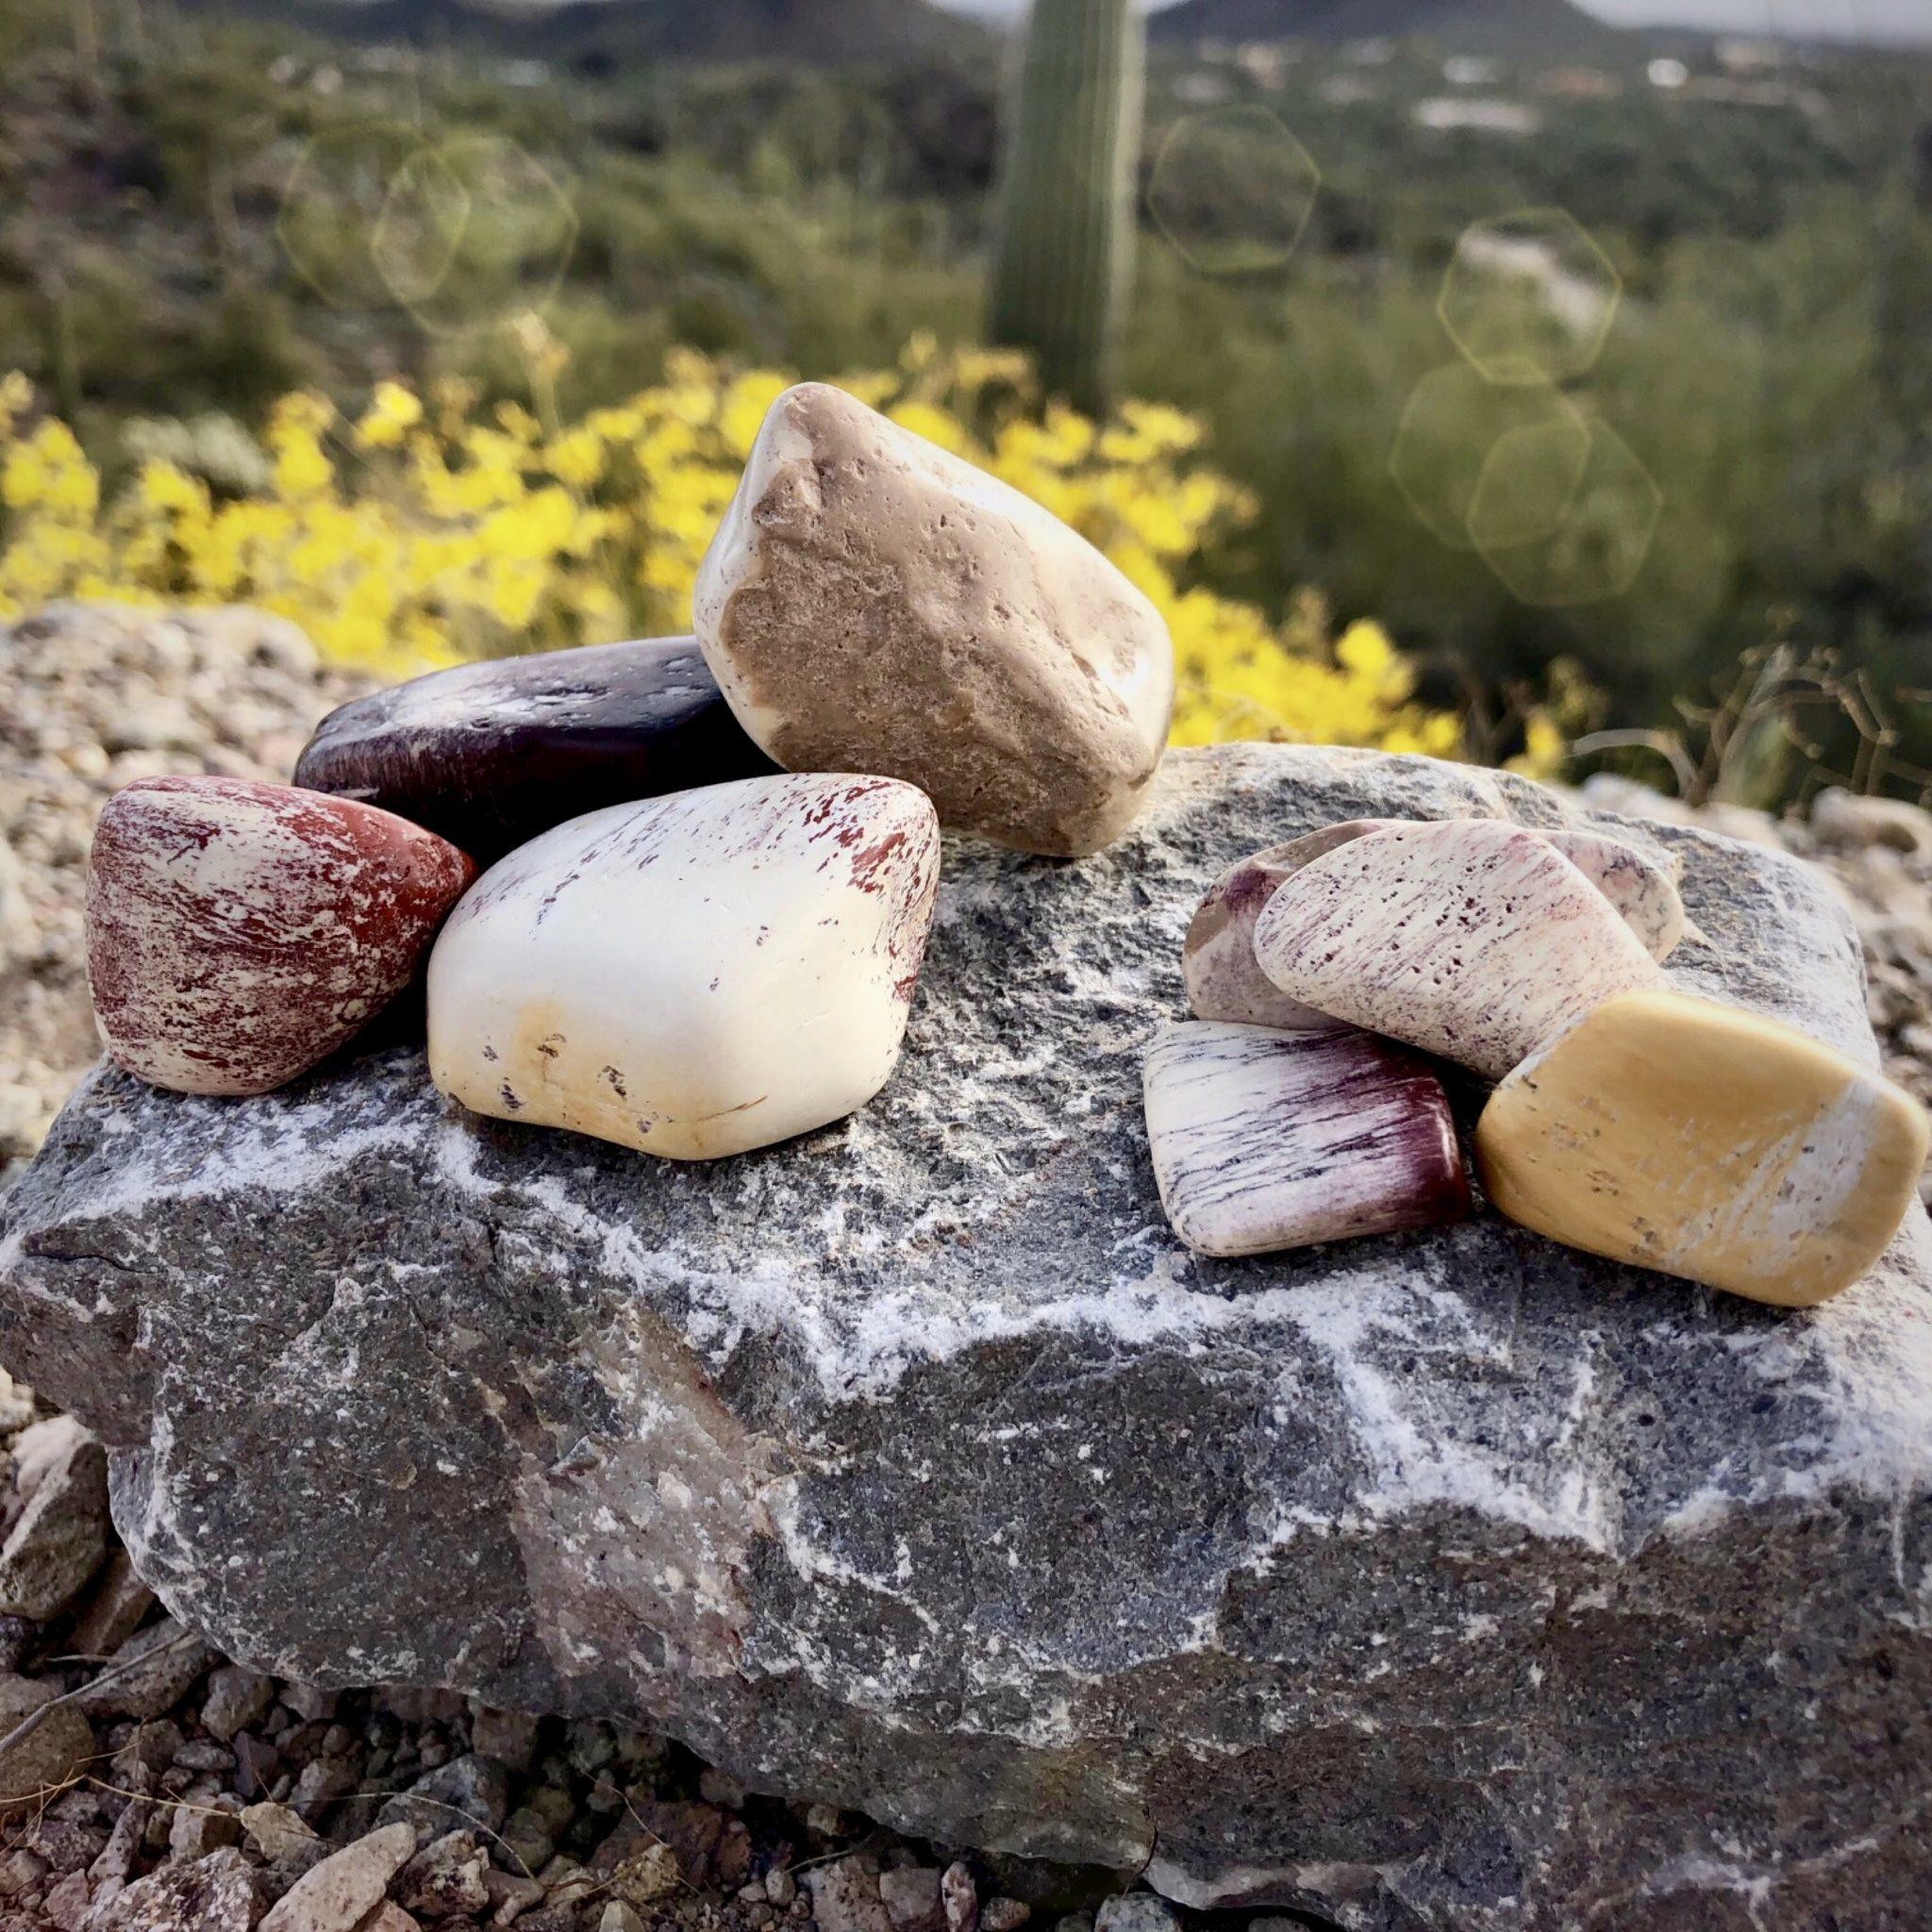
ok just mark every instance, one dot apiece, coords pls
pixel 1452 1579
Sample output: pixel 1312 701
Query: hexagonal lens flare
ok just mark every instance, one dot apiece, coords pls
pixel 1529 297
pixel 1233 191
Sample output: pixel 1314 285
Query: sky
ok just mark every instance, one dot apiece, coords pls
pixel 1823 19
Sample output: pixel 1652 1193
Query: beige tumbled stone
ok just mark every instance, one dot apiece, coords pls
pixel 872 603
pixel 1709 1144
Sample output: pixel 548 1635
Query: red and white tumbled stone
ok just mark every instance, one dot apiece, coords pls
pixel 694 976
pixel 1263 1140
pixel 1470 939
pixel 238 933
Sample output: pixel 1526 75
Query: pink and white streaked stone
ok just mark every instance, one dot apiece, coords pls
pixel 1224 980
pixel 1473 940
pixel 1264 1139
pixel 694 975
pixel 238 933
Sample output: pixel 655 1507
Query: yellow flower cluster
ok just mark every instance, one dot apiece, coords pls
pixel 429 531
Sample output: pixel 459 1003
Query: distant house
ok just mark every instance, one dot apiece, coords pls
pixel 1579 84
pixel 1481 114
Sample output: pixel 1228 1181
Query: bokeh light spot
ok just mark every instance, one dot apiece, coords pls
pixel 475 231
pixel 334 198
pixel 1453 424
pixel 1603 539
pixel 1529 297
pixel 1233 191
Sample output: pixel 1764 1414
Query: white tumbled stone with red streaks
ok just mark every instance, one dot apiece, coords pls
pixel 1264 1141
pixel 237 933
pixel 694 975
pixel 1224 980
pixel 1472 938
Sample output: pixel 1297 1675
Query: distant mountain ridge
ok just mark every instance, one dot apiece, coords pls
pixel 618 32
pixel 1477 26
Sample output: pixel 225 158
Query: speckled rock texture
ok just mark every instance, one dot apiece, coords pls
pixel 870 603
pixel 1447 1580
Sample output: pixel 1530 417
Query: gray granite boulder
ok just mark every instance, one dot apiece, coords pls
pixel 1449 1580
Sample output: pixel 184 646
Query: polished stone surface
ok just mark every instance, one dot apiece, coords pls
pixel 491 754
pixel 695 975
pixel 1709 1144
pixel 238 933
pixel 1475 940
pixel 1263 1141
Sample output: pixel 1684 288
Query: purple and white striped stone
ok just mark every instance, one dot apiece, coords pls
pixel 1264 1139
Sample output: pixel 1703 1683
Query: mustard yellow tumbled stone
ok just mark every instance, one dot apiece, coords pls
pixel 1705 1142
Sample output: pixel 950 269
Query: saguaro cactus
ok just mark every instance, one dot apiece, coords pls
pixel 1065 255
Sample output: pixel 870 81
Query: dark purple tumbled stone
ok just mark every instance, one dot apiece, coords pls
pixel 491 754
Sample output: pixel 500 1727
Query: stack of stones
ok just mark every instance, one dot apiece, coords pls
pixel 711 862
pixel 676 895
pixel 1330 976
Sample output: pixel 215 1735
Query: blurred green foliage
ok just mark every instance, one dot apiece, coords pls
pixel 1769 369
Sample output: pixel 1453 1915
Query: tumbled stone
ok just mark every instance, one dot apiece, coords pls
pixel 1705 1142
pixel 238 933
pixel 872 603
pixel 491 754
pixel 1264 1141
pixel 1470 939
pixel 1224 980
pixel 695 975
pixel 1643 889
